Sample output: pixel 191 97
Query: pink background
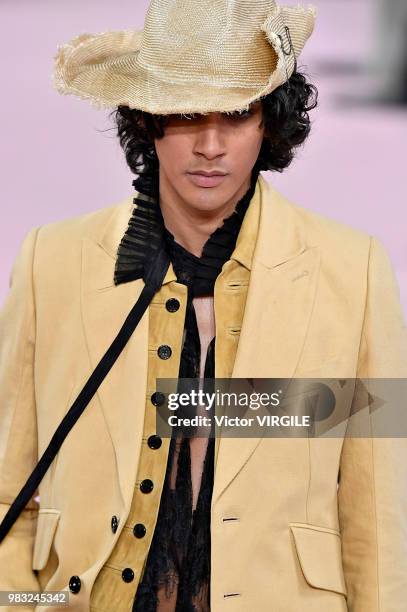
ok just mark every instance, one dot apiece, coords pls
pixel 57 161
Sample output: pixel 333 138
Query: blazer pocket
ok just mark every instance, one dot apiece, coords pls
pixel 319 555
pixel 46 526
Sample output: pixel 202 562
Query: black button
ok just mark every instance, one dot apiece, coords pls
pixel 139 530
pixel 172 305
pixel 158 398
pixel 146 485
pixel 164 351
pixel 154 442
pixel 114 523
pixel 74 584
pixel 127 574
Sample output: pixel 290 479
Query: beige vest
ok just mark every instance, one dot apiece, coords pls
pixel 128 558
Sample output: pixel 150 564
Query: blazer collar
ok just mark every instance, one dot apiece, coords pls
pixel 270 231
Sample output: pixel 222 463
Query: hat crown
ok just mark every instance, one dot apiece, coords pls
pixel 186 39
pixel 193 56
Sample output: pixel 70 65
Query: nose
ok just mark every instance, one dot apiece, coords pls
pixel 210 140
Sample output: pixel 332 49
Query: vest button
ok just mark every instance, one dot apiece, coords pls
pixel 164 351
pixel 74 584
pixel 139 530
pixel 146 485
pixel 114 523
pixel 158 398
pixel 172 305
pixel 154 442
pixel 127 574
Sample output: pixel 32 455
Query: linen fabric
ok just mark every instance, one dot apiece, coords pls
pixel 309 524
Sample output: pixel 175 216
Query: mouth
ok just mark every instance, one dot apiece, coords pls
pixel 206 179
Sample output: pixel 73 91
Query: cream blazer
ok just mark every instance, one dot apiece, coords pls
pixel 322 301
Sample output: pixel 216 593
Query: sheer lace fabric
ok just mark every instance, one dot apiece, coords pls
pixel 177 572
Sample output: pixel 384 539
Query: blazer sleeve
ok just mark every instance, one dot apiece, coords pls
pixel 18 425
pixel 372 492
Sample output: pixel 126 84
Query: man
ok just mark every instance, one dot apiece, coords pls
pixel 257 288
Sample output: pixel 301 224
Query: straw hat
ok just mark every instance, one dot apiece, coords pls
pixel 193 56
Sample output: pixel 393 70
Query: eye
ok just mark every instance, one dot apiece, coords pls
pixel 244 114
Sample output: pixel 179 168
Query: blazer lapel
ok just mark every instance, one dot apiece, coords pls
pixel 281 293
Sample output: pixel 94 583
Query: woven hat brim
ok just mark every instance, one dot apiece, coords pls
pixel 104 69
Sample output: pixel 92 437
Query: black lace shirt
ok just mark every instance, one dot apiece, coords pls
pixel 178 563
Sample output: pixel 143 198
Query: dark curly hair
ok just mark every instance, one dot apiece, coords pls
pixel 285 115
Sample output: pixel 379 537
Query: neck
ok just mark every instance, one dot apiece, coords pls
pixel 191 227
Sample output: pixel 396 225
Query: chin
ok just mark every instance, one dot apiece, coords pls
pixel 208 198
pixel 202 206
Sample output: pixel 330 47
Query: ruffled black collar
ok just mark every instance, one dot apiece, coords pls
pixel 146 233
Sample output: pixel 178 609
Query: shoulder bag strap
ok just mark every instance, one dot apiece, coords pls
pixel 153 282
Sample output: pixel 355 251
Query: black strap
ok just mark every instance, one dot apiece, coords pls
pixel 153 282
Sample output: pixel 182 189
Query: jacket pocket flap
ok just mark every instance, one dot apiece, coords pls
pixel 47 523
pixel 319 554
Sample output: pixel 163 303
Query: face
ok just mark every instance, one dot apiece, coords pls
pixel 226 144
